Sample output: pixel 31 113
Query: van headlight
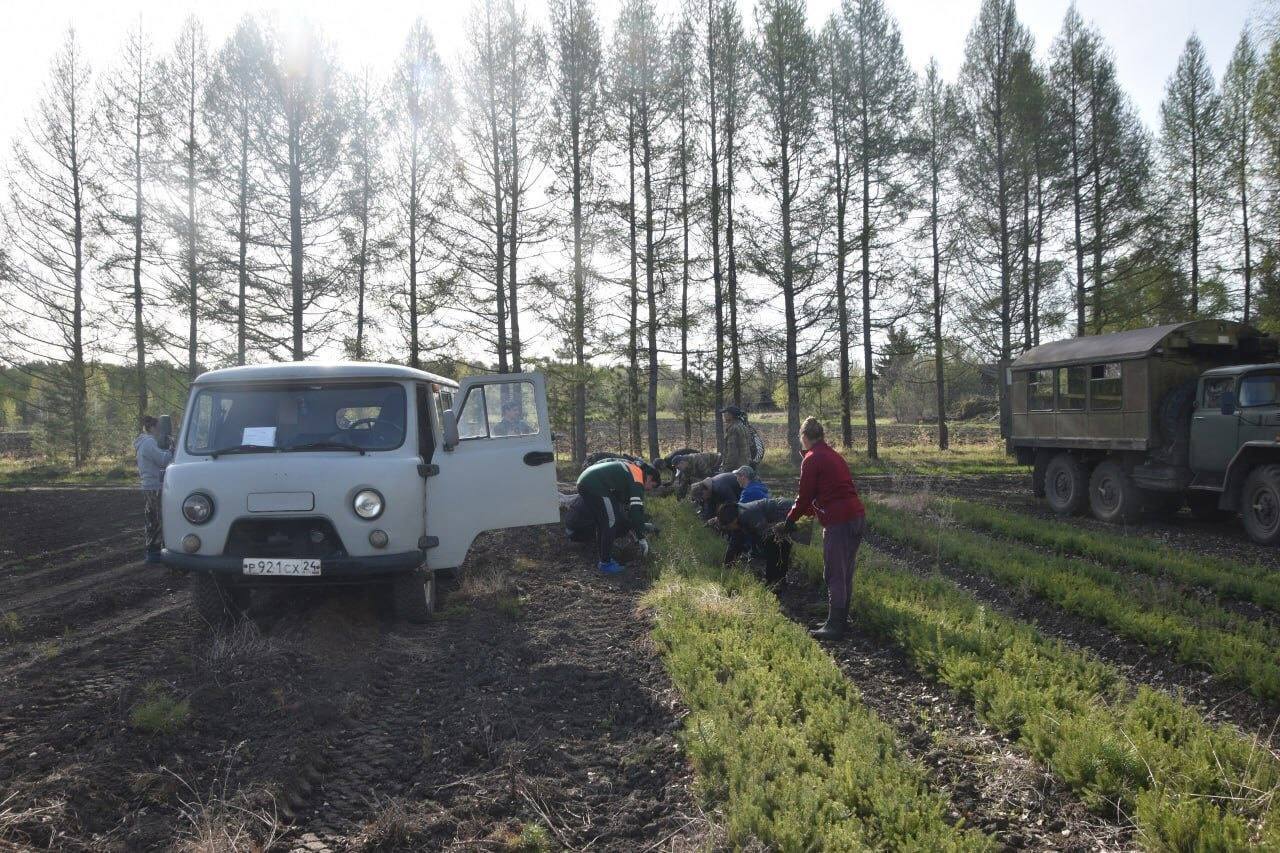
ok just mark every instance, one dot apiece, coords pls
pixel 198 508
pixel 368 504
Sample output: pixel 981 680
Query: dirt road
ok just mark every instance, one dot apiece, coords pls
pixel 533 705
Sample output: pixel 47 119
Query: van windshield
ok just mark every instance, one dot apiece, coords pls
pixel 361 416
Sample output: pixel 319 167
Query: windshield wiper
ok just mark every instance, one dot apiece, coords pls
pixel 242 448
pixel 323 445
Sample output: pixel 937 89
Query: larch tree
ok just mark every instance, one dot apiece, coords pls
pixel 52 182
pixel 366 244
pixel 573 135
pixel 184 78
pixel 1190 144
pixel 786 83
pixel 882 91
pixel 235 93
pixel 836 114
pixel 128 130
pixel 986 167
pixel 1239 85
pixel 685 103
pixel 713 95
pixel 299 127
pixel 935 127
pixel 737 88
pixel 1071 63
pixel 419 113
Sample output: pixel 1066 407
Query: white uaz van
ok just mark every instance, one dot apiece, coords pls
pixel 349 473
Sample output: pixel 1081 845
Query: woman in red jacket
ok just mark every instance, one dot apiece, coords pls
pixel 827 492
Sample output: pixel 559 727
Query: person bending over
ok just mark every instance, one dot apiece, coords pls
pixel 752 488
pixel 608 485
pixel 710 494
pixel 753 527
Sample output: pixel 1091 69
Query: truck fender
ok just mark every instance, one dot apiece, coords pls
pixel 1250 455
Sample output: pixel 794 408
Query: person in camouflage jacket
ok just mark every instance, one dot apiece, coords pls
pixel 737 439
pixel 692 467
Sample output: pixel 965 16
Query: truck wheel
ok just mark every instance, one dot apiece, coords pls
pixel 1204 506
pixel 1112 495
pixel 217 603
pixel 1066 486
pixel 413 596
pixel 1260 505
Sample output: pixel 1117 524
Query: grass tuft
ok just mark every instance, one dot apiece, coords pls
pixel 158 712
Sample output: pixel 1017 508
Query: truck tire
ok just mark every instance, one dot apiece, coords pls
pixel 1112 495
pixel 413 596
pixel 1066 484
pixel 1260 505
pixel 218 604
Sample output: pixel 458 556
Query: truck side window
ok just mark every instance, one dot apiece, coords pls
pixel 1071 388
pixel 1214 389
pixel 1260 389
pixel 1040 391
pixel 1106 388
pixel 472 420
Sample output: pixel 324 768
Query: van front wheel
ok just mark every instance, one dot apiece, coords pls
pixel 1260 505
pixel 413 596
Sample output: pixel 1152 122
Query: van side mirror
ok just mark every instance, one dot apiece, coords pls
pixel 450 427
pixel 1228 402
pixel 164 431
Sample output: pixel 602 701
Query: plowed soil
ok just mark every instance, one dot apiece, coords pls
pixel 533 704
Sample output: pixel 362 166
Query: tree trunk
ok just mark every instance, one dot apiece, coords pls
pixel 415 355
pixel 939 373
pixel 716 273
pixel 193 295
pixel 579 295
pixel 650 291
pixel 633 340
pixel 242 238
pixel 139 330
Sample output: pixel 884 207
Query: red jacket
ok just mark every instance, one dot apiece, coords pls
pixel 826 489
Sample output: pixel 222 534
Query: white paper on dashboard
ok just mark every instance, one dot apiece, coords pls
pixel 259 436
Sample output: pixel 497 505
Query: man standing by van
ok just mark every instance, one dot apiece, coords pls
pixel 608 486
pixel 152 460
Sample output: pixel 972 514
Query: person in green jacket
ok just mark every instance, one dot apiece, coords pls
pixel 606 488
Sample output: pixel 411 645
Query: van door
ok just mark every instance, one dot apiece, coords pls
pixel 501 473
pixel 1213 435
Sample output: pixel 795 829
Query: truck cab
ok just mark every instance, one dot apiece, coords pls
pixel 344 473
pixel 1152 419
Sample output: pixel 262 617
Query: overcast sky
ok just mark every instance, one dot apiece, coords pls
pixel 1147 35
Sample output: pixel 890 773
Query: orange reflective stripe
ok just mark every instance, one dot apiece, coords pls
pixel 636 473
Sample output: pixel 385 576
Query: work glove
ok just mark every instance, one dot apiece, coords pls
pixel 644 546
pixel 651 529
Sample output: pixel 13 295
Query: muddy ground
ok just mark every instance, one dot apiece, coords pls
pixel 533 705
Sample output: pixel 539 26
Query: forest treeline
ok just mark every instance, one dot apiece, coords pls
pixel 710 194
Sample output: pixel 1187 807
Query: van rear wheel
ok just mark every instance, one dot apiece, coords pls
pixel 1112 495
pixel 1065 484
pixel 413 596
pixel 1260 505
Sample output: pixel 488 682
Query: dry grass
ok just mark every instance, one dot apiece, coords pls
pixel 397 824
pixel 15 819
pixel 225 820
pixel 243 645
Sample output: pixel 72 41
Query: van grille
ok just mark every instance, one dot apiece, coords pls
pixel 313 538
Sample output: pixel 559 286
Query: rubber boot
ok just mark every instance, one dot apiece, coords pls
pixel 837 625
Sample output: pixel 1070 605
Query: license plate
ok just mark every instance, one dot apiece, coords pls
pixel 265 566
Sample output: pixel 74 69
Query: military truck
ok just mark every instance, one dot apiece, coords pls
pixel 1151 419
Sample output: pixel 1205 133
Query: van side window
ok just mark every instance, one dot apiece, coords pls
pixel 1214 389
pixel 1106 387
pixel 499 410
pixel 426 442
pixel 1260 389
pixel 1040 391
pixel 1071 388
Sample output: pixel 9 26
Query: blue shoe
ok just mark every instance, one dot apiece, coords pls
pixel 610 568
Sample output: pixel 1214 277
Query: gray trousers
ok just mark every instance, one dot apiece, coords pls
pixel 839 559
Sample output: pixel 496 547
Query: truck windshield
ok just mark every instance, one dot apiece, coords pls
pixel 362 416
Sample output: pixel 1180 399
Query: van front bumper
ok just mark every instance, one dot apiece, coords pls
pixel 336 568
